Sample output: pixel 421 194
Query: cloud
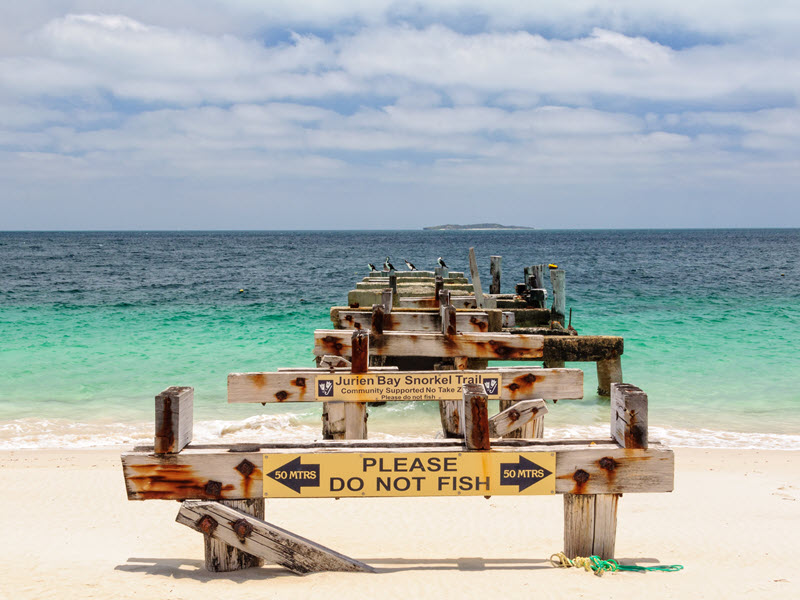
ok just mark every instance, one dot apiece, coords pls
pixel 399 101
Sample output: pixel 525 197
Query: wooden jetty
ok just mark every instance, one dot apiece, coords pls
pixel 434 351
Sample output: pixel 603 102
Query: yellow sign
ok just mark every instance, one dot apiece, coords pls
pixel 387 387
pixel 353 474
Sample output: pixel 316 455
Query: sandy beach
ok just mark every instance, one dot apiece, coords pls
pixel 733 521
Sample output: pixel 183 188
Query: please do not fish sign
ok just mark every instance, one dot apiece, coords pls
pixel 387 387
pixel 394 474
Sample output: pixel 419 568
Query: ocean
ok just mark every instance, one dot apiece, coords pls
pixel 94 324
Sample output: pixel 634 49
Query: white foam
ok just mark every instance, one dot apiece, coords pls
pixel 31 433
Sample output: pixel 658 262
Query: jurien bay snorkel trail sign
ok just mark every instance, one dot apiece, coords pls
pixel 386 387
pixel 391 474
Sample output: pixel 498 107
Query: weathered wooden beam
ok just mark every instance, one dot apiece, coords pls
pixel 581 348
pixel 609 371
pixel 415 302
pixel 492 346
pixel 477 321
pixel 536 275
pixel 590 525
pixel 475 408
pixel 231 472
pixel 476 278
pixel 629 415
pixel 298 385
pixel 516 417
pixel 255 536
pixel 222 557
pixel 495 269
pixel 174 407
pixel 412 284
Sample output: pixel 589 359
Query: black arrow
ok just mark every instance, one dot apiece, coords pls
pixel 295 475
pixel 524 473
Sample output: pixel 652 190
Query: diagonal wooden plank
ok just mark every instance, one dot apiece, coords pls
pixel 259 538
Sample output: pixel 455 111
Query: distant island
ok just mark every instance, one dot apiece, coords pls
pixel 474 227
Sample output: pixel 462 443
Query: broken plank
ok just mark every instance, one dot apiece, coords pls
pixel 515 417
pixel 259 538
pixel 174 421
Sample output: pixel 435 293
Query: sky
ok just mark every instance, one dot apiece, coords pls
pixel 384 114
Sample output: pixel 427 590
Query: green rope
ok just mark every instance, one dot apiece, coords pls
pixel 600 566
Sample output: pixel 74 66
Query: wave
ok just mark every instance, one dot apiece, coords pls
pixel 25 434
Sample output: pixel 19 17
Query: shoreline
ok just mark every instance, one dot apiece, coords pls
pixel 732 521
pixel 47 434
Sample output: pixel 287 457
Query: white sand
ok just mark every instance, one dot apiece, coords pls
pixel 733 522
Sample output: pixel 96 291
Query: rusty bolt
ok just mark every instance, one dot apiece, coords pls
pixel 607 463
pixel 300 382
pixel 513 415
pixel 246 468
pixel 242 528
pixel 207 524
pixel 580 477
pixel 281 395
pixel 213 488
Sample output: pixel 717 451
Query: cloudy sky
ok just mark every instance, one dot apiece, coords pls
pixel 348 114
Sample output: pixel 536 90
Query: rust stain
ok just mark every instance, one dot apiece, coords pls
pixel 250 473
pixel 332 345
pixel 513 415
pixel 207 524
pixel 258 379
pixel 242 528
pixel 213 488
pixel 172 482
pixel 580 477
pixel 357 326
pixel 478 324
pixel 348 318
pixel 165 431
pixel 299 382
pixel 281 395
pixel 522 384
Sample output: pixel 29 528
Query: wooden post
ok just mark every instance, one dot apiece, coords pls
pixel 590 525
pixel 393 283
pixel 221 557
pixel 450 410
pixel 173 420
pixel 448 316
pixel 559 310
pixel 475 408
pixel 348 420
pixel 437 289
pixel 387 300
pixel 495 269
pixel 609 371
pixel 629 416
pixel 444 298
pixel 376 323
pixel 537 274
pixel 476 278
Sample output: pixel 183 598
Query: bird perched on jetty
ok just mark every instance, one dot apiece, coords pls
pixel 410 266
pixel 441 263
pixel 372 268
pixel 387 265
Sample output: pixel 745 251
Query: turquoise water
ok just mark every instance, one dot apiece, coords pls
pixel 93 325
